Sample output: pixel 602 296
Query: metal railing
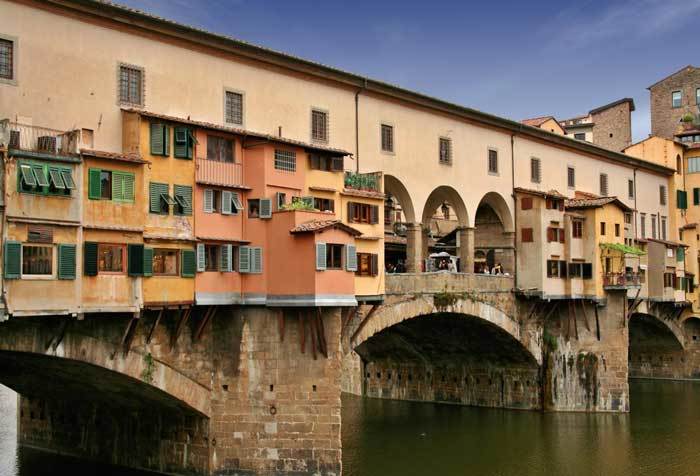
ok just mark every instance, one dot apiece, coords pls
pixel 219 173
pixel 621 280
pixel 371 182
pixel 38 139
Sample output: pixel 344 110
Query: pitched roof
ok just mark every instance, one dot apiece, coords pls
pixel 613 104
pixel 537 121
pixel 540 193
pixel 578 203
pixel 101 154
pixel 239 131
pixel 314 226
pixel 134 18
pixel 684 68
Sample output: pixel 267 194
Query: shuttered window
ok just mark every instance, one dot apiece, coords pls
pixel 326 162
pixel 123 187
pixel 630 188
pixel 226 254
pixel 135 260
pixel 208 200
pixel 12 260
pixel 571 177
pixel 367 264
pixel 250 259
pixel 66 261
pixel 183 142
pixel 244 259
pixel 662 194
pixel 147 261
pixel 201 257
pixel 189 264
pixel 682 199
pixel 363 213
pixel 320 256
pixel 159 200
pixel 44 179
pixel 265 208
pixel 445 151
pixel 696 196
pixel 493 161
pixel 604 185
pixel 350 257
pixel 526 203
pixel 160 139
pixel 526 235
pixel 535 170
pixel 90 257
pixel 387 138
pixel 183 199
pixel 226 203
pixel 234 108
pixel 111 185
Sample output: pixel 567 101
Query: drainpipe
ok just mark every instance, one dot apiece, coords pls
pixel 515 210
pixel 636 211
pixel 357 126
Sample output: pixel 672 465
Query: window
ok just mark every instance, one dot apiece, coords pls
pixel 183 199
pixel 159 199
pixel 109 185
pixel 556 268
pixel 110 258
pixel 571 177
pixel 319 125
pixel 628 218
pixel 325 162
pixel 363 213
pixel 676 99
pixel 679 164
pixel 37 260
pixel 130 85
pixel 663 228
pixel 165 262
pixel 630 188
pixel 580 136
pixel 234 108
pixel 693 165
pixel 387 138
pixel 554 204
pixel 257 207
pixel 669 280
pixel 643 225
pixel 555 234
pixel 7 59
pixel 526 235
pixel 662 194
pixel 445 150
pixel 602 228
pixel 219 149
pixel 576 229
pixel 575 269
pixel 334 256
pixel 254 208
pixel 183 143
pixel 324 204
pixel 106 185
pixel 493 161
pixel 285 160
pixel 653 226
pixel 367 264
pixel 535 170
pixel 526 203
pixel 211 257
pixel 617 229
pixel 45 179
pixel 696 196
pixel 604 185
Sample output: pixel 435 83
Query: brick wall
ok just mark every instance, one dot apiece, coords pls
pixel 613 127
pixel 664 118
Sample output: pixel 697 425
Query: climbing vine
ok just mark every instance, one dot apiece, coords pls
pixel 147 373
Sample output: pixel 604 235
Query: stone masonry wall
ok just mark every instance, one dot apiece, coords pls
pixel 665 118
pixel 613 127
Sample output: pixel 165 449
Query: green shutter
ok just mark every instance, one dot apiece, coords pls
pixel 128 184
pixel 157 139
pixel 148 261
pixel 155 191
pixel 66 261
pixel 135 259
pixel 12 259
pixel 189 264
pixel 696 196
pixel 682 199
pixel 183 143
pixel 680 254
pixel 183 196
pixel 94 185
pixel 117 187
pixel 90 258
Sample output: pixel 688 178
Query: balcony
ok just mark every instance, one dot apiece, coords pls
pixel 369 182
pixel 621 280
pixel 224 174
pixel 41 140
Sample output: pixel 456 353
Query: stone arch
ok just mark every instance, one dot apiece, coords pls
pixel 422 307
pixel 691 330
pixel 499 205
pixel 441 194
pixel 394 187
pixel 79 355
pixel 667 329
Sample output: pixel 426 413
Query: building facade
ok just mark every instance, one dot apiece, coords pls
pixel 674 103
pixel 608 126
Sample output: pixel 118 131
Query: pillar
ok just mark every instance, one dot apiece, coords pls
pixel 466 249
pixel 508 254
pixel 414 247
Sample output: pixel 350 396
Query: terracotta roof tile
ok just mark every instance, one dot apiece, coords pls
pixel 101 154
pixel 362 193
pixel 578 203
pixel 537 121
pixel 319 225
pixel 550 193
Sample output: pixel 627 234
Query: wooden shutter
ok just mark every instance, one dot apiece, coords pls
pixel 94 185
pixel 374 264
pixel 682 199
pixel 562 269
pixel 208 200
pixel 561 235
pixel 90 258
pixel 256 260
pixel 157 139
pixel 696 196
pixel 201 257
pixel 587 270
pixel 315 161
pixel 526 203
pixel 226 253
pixel 12 259
pixel 374 214
pixel 117 187
pixel 550 235
pixel 128 190
pixel 265 208
pixel 225 202
pixel 350 257
pixel 236 199
pixel 188 263
pixel 337 164
pixel 135 259
pixel 244 259
pixel 185 193
pixel 351 212
pixel 320 256
pixel 183 143
pixel 526 235
pixel 66 261
pixel 148 261
pixel 154 197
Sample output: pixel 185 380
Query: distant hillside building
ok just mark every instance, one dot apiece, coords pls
pixel 671 99
pixel 548 123
pixel 608 126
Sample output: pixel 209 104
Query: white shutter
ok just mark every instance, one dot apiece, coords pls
pixel 256 260
pixel 226 202
pixel 320 256
pixel 244 259
pixel 208 200
pixel 351 257
pixel 226 252
pixel 201 257
pixel 265 208
pixel 236 199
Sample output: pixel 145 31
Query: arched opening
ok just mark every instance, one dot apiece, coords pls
pixel 449 357
pixel 654 349
pixel 493 236
pixel 447 242
pixel 399 224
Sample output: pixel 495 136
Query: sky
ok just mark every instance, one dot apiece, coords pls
pixel 516 59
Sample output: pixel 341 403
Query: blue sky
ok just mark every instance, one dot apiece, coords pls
pixel 515 59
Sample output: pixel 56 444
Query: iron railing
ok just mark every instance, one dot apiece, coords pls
pixel 38 139
pixel 621 280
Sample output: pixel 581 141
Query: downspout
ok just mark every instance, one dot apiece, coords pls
pixel 357 126
pixel 636 211
pixel 515 210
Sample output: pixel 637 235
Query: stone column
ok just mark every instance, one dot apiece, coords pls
pixel 466 249
pixel 414 247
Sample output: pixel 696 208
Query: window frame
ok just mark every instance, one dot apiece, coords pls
pixel 390 126
pixel 535 161
pixel 577 228
pixel 448 141
pixel 326 136
pixel 122 247
pixel 673 99
pixel 570 174
pixel 288 167
pixel 580 134
pixel 219 152
pixel 142 91
pixel 215 266
pixel 631 189
pixel 331 256
pixel 604 184
pixel 663 195
pixel 225 106
pixel 496 170
pixel 12 80
pixel 177 253
pixel 369 257
pixel 54 261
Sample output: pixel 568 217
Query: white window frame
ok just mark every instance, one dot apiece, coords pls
pixel 54 262
pixel 15 60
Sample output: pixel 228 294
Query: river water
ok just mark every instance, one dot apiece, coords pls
pixel 661 436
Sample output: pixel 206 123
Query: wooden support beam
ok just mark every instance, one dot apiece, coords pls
pixel 572 307
pixel 302 331
pixel 551 309
pixel 568 325
pixel 280 322
pixel 533 308
pixel 323 345
pixel 597 321
pixel 130 333
pixel 155 324
pixel 314 334
pixel 364 321
pixel 585 316
pixel 208 316
pixel 348 312
pixel 635 304
pixel 182 320
pixel 56 340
